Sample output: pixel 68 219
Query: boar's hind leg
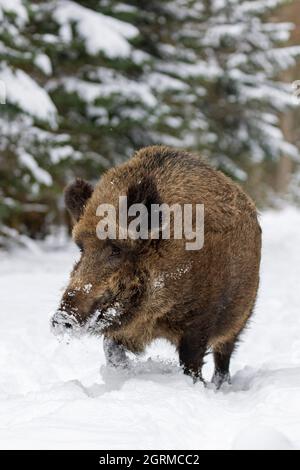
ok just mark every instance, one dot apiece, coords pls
pixel 114 353
pixel 222 356
pixel 192 350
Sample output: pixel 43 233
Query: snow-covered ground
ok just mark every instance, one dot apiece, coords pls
pixel 54 395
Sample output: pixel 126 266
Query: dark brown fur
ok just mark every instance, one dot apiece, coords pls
pixel 195 299
pixel 76 197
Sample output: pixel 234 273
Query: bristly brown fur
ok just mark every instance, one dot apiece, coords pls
pixel 195 299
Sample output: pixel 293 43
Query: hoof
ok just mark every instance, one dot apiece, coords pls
pixel 115 364
pixel 219 379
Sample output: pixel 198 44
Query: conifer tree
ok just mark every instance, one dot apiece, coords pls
pixel 32 149
pixel 88 82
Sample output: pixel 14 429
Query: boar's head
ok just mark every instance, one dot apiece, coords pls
pixel 110 282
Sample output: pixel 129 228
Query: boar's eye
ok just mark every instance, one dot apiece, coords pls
pixel 115 251
pixel 80 246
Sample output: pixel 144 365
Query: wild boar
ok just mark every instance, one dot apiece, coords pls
pixel 132 291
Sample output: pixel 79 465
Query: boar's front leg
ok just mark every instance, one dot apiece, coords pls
pixel 115 353
pixel 222 356
pixel 192 350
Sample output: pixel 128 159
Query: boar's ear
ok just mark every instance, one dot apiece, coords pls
pixel 76 197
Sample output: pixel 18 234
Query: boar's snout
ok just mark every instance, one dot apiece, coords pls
pixel 63 322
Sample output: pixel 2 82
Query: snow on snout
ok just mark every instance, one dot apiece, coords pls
pixel 102 319
pixel 86 289
pixel 64 325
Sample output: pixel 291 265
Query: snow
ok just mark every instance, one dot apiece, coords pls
pixel 261 438
pixel 54 395
pixel 26 94
pixel 2 93
pixel 162 82
pixel 209 69
pixel 103 319
pixel 101 33
pixel 104 84
pixel 57 154
pixel 17 8
pixel 29 162
pixel 111 85
pixel 43 62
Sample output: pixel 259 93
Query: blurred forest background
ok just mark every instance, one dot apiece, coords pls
pixel 88 82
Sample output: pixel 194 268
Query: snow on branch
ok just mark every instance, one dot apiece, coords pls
pixel 23 92
pixel 101 33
